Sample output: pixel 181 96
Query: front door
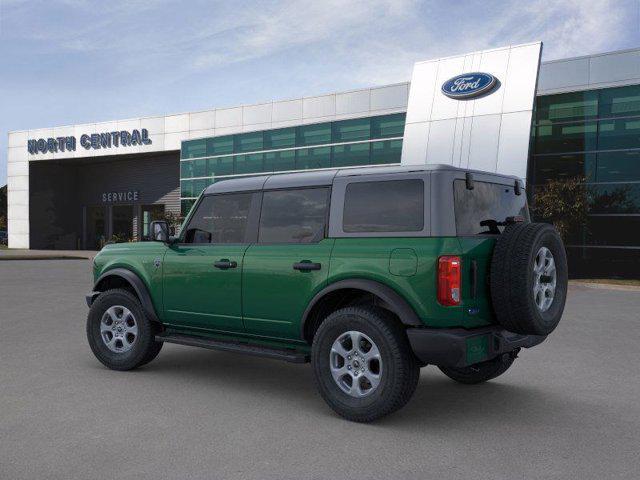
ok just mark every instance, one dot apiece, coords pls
pixel 203 271
pixel 290 262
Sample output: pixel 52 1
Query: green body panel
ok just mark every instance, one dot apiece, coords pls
pixel 389 261
pixel 274 295
pixel 199 295
pixel 264 298
pixel 138 257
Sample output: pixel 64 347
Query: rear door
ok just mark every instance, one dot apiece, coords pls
pixel 289 263
pixel 203 273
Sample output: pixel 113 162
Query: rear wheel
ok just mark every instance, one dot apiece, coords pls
pixel 119 333
pixel 363 364
pixel 480 372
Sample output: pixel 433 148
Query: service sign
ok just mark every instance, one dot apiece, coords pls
pixel 93 141
pixel 469 85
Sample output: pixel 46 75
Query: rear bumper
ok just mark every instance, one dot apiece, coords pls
pixel 458 347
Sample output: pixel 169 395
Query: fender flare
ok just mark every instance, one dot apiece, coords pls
pixel 136 282
pixel 397 304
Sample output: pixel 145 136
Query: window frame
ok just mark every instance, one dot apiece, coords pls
pixel 325 230
pixel 336 218
pixel 251 233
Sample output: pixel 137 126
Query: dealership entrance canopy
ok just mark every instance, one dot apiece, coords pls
pixel 83 185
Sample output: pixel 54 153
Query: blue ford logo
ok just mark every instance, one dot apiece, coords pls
pixel 468 85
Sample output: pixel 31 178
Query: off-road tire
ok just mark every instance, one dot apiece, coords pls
pixel 512 278
pixel 480 372
pixel 144 349
pixel 399 374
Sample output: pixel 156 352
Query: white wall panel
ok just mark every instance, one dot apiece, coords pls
pixel 17 168
pixel 253 114
pixel 414 145
pixel 17 154
pixel 352 102
pixel 287 111
pixel 483 143
pixel 154 125
pixel 467 132
pixel 229 117
pixel 202 120
pixel 18 139
pixel 314 107
pixel 18 240
pixel 176 123
pixel 514 143
pixel 392 96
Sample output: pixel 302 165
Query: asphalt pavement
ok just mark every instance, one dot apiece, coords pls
pixel 569 408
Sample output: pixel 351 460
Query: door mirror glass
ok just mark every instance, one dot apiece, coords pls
pixel 159 231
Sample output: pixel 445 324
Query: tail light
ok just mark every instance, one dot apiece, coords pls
pixel 449 275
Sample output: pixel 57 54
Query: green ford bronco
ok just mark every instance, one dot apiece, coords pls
pixel 367 273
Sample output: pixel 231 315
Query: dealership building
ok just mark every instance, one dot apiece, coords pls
pixel 79 186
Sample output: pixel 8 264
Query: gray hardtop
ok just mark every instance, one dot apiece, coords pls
pixel 326 177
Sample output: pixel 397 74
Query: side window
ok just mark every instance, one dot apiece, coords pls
pixel 294 216
pixel 220 219
pixel 384 206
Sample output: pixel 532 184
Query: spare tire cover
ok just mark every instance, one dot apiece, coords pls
pixel 528 278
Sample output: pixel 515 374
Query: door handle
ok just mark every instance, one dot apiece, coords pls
pixel 306 265
pixel 225 264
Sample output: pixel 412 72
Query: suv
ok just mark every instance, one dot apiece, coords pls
pixel 368 273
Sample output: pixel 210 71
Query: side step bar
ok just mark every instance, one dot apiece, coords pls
pixel 256 350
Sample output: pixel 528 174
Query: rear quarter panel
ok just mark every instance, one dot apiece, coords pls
pixel 369 258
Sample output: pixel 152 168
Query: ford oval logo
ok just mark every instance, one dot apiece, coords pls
pixel 469 85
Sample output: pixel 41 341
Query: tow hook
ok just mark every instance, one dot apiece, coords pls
pixel 512 355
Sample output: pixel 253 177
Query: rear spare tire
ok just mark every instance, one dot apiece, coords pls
pixel 528 278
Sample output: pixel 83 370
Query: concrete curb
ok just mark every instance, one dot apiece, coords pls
pixel 606 286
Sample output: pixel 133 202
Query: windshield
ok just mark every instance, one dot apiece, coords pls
pixel 487 203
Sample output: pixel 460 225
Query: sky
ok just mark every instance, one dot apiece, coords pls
pixel 65 62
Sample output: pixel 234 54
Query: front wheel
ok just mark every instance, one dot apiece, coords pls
pixel 363 364
pixel 119 333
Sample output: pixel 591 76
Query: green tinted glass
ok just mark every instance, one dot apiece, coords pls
pixel 186 188
pixel 194 148
pixel 308 158
pixel 248 142
pixel 566 107
pixel 220 145
pixel 186 169
pixel 280 161
pixel 280 138
pixel 573 137
pixel 220 166
pixel 313 134
pixel 199 168
pixel 621 133
pixel 620 102
pixel 352 130
pixel 348 155
pixel 185 206
pixel 252 163
pixel 557 167
pixel 199 186
pixel 618 166
pixel 388 151
pixel 387 126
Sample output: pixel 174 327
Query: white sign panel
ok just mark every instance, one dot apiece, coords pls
pixel 473 111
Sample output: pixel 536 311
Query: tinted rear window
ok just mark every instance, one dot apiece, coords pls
pixel 487 201
pixel 387 206
pixel 294 216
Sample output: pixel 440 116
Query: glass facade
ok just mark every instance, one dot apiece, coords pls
pixel 594 136
pixel 362 141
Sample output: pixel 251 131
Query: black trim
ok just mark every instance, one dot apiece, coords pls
pixel 447 347
pixel 236 347
pixel 393 300
pixel 138 285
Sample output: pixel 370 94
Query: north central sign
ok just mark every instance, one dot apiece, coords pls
pixel 93 141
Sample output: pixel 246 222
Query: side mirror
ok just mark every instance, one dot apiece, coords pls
pixel 159 230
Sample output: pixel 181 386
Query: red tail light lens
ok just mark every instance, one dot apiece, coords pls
pixel 449 275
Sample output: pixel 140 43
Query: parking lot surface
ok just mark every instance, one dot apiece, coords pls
pixel 569 408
